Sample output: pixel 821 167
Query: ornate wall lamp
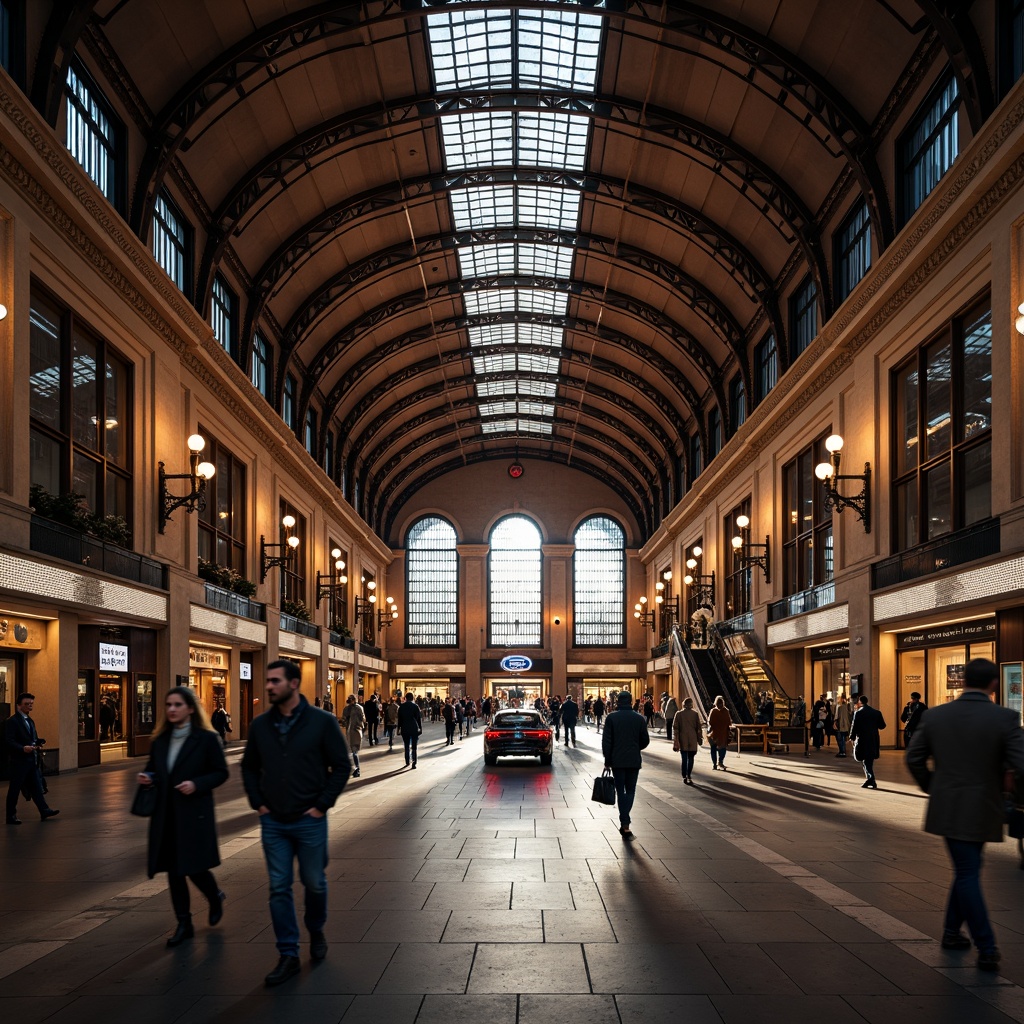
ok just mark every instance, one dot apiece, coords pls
pixel 828 473
pixel 387 614
pixel 330 584
pixel 704 586
pixel 666 601
pixel 752 554
pixel 643 613
pixel 197 475
pixel 286 549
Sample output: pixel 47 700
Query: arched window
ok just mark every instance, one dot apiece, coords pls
pixel 599 576
pixel 515 584
pixel 431 584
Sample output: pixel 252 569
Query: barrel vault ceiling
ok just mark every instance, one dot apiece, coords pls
pixel 472 230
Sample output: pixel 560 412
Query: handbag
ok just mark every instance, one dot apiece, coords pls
pixel 1014 821
pixel 604 788
pixel 144 803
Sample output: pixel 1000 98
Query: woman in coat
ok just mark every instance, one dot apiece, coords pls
pixel 719 726
pixel 687 736
pixel 353 721
pixel 186 764
pixel 867 723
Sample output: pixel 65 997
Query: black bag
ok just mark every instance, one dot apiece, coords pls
pixel 144 803
pixel 1015 821
pixel 604 788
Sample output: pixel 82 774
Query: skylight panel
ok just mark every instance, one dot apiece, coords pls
pixel 530 363
pixel 480 139
pixel 516 300
pixel 536 409
pixel 487 206
pixel 498 362
pixel 491 260
pixel 515 259
pixel 540 334
pixel 513 426
pixel 493 300
pixel 516 386
pixel 542 206
pixel 471 49
pixel 498 426
pixel 537 388
pixel 506 408
pixel 534 427
pixel 493 334
pixel 496 388
pixel 558 50
pixel 544 260
pixel 548 139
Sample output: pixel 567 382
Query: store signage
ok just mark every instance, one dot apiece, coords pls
pixel 244 670
pixel 941 636
pixel 113 658
pixel 830 652
pixel 516 663
pixel 207 657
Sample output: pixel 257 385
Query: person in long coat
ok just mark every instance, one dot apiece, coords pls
pixel 719 726
pixel 867 724
pixel 186 764
pixel 353 721
pixel 687 736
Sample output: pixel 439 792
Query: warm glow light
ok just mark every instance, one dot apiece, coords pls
pixel 737 542
pixel 659 585
pixel 823 470
pixel 636 615
pixel 390 600
pixel 205 470
pixel 1018 323
pixel 643 600
pixel 667 574
pixel 373 599
pixel 336 553
pixel 293 542
pixel 834 443
pixel 742 522
pixel 688 579
pixel 196 442
pixel 3 312
pixel 339 565
pixel 288 522
pixel 372 585
pixel 659 599
pixel 698 551
pixel 691 563
pixel 343 579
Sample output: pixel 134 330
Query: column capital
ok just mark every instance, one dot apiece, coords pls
pixel 558 550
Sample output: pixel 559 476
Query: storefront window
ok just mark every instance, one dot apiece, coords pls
pixel 86 710
pixel 222 526
pixel 112 697
pixel 144 708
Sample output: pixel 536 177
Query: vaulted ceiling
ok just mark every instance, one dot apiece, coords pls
pixel 475 229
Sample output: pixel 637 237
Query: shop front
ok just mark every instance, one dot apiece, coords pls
pixel 931 661
pixel 428 681
pixel 830 672
pixel 209 676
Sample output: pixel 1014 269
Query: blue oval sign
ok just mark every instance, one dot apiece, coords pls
pixel 516 663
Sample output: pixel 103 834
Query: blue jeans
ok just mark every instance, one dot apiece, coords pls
pixel 625 791
pixel 410 742
pixel 841 740
pixel 688 756
pixel 966 902
pixel 283 841
pixel 717 753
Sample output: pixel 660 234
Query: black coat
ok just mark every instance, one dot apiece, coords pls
pixel 867 723
pixel 410 721
pixel 193 845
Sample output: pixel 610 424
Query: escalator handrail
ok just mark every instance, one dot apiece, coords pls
pixel 682 650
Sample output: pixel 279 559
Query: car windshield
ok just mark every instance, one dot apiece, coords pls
pixel 518 721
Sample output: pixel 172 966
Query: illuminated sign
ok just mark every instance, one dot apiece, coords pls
pixel 516 663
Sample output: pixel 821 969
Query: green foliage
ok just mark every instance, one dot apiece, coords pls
pixel 297 609
pixel 72 510
pixel 226 577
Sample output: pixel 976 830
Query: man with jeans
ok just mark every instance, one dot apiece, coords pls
pixel 843 723
pixel 975 747
pixel 410 727
pixel 625 735
pixel 294 768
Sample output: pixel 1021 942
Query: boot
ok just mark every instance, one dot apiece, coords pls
pixel 182 932
pixel 216 908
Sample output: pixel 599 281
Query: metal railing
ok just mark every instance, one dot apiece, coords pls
pixel 807 600
pixel 661 650
pixel 738 624
pixel 978 541
pixel 369 649
pixel 291 624
pixel 235 604
pixel 69 545
pixel 340 640
pixel 688 669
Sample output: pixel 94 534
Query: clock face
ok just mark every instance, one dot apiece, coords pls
pixel 515 470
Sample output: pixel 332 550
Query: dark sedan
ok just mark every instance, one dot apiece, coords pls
pixel 517 734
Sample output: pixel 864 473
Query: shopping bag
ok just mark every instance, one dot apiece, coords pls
pixel 604 788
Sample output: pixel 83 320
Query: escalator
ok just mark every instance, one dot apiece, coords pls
pixel 705 676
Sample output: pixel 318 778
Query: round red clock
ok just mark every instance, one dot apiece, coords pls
pixel 516 470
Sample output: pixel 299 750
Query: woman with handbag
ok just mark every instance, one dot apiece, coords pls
pixel 186 764
pixel 719 727
pixel 687 736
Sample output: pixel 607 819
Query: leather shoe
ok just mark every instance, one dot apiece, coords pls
pixel 989 961
pixel 956 941
pixel 48 813
pixel 287 967
pixel 317 945
pixel 217 908
pixel 14 821
pixel 182 932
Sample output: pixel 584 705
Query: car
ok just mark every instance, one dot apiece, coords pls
pixel 518 733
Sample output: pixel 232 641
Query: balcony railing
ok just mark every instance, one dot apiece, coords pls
pixel 806 601
pixel 293 625
pixel 978 541
pixel 340 640
pixel 737 624
pixel 369 649
pixel 234 604
pixel 58 541
pixel 661 650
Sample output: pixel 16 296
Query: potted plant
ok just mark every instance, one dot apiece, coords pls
pixel 296 609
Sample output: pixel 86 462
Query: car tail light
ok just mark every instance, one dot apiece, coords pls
pixel 537 734
pixel 492 734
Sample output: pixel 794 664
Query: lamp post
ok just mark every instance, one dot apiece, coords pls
pixel 286 549
pixel 828 473
pixel 197 475
pixel 752 554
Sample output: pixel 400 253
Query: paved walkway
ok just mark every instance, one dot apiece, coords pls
pixel 775 891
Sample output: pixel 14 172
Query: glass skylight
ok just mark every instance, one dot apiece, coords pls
pixel 509 362
pixel 534 206
pixel 511 408
pixel 515 259
pixel 471 49
pixel 538 138
pixel 536 409
pixel 516 386
pixel 493 334
pixel 498 426
pixel 516 333
pixel 548 139
pixel 534 427
pixel 516 427
pixel 558 50
pixel 516 300
pixel 479 139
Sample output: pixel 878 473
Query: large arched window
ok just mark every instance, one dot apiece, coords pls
pixel 515 584
pixel 599 575
pixel 431 584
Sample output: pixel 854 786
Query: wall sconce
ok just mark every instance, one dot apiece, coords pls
pixel 286 549
pixel 665 600
pixel 387 614
pixel 704 585
pixel 197 475
pixel 745 551
pixel 329 584
pixel 828 473
pixel 641 612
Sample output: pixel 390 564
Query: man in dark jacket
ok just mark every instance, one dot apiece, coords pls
pixel 570 716
pixel 625 735
pixel 911 716
pixel 976 747
pixel 867 724
pixel 410 725
pixel 23 744
pixel 372 711
pixel 294 768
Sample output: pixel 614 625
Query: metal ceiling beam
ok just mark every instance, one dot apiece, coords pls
pixel 64 28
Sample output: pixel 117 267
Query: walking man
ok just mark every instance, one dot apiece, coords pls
pixel 867 745
pixel 371 709
pixel 294 768
pixel 23 743
pixel 911 716
pixel 599 707
pixel 410 725
pixel 625 735
pixel 570 716
pixel 844 720
pixel 971 743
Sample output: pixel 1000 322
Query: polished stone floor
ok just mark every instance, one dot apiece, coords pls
pixel 776 891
